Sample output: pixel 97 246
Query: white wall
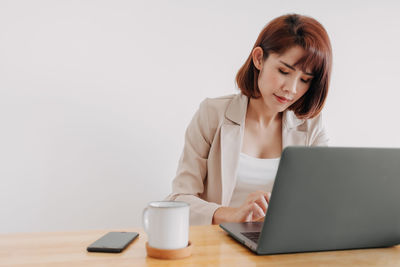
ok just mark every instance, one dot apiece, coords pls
pixel 95 96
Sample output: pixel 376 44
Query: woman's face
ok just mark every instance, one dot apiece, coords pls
pixel 281 83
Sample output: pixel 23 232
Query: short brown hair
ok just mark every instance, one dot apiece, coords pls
pixel 278 36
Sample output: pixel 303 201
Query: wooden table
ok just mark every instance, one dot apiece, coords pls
pixel 211 246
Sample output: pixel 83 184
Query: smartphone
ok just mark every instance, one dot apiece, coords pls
pixel 113 242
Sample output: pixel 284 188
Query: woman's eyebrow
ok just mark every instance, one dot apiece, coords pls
pixel 293 68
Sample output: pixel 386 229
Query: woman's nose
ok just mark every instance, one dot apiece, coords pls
pixel 291 86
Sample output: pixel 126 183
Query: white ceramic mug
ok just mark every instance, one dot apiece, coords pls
pixel 167 224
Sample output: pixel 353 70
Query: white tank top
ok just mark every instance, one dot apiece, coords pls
pixel 253 174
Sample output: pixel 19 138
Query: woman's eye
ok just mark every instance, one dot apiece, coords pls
pixel 305 81
pixel 283 72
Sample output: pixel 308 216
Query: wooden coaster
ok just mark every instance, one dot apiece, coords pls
pixel 169 254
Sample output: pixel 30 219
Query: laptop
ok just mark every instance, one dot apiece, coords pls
pixel 328 198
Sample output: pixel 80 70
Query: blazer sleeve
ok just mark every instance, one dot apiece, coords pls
pixel 188 183
pixel 319 136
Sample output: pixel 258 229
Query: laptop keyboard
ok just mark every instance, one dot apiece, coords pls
pixel 253 236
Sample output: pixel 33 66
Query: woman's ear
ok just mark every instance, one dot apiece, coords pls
pixel 257 56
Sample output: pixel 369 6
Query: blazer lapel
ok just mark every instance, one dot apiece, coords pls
pixel 231 143
pixel 292 135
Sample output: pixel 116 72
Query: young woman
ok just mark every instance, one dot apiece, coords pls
pixel 233 143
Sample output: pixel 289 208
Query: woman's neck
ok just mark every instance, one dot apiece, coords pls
pixel 260 114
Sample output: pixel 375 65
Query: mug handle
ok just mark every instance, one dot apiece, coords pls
pixel 145 219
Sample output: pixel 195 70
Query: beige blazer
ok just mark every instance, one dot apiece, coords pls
pixel 206 175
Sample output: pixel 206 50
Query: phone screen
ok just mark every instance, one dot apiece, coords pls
pixel 113 242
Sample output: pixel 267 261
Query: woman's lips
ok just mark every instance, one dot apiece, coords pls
pixel 281 99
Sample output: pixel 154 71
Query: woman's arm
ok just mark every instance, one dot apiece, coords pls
pixel 192 168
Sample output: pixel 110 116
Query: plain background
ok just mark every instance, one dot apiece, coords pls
pixel 95 96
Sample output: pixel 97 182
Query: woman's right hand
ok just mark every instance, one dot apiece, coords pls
pixel 253 209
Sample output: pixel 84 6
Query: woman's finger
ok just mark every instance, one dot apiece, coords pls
pixel 246 213
pixel 262 202
pixel 260 219
pixel 257 211
pixel 268 196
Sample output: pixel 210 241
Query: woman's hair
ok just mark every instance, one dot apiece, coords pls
pixel 278 36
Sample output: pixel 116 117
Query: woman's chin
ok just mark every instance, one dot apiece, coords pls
pixel 279 108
